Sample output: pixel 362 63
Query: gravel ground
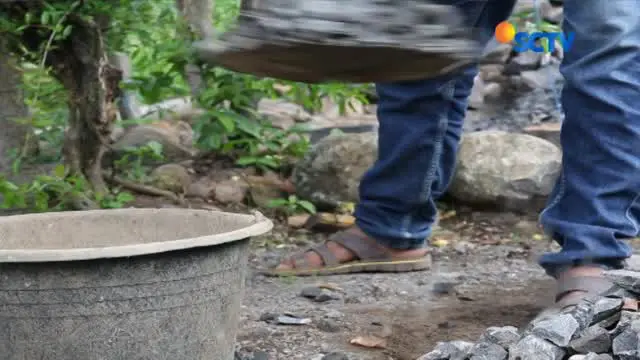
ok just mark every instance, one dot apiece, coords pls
pixel 485 274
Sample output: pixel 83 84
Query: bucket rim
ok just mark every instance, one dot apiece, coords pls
pixel 258 224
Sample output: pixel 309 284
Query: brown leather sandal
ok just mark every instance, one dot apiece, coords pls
pixel 369 258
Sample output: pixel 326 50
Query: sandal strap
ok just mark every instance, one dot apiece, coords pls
pixel 589 284
pixel 328 259
pixel 363 248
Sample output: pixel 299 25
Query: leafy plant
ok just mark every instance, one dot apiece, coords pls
pixel 292 205
pixel 131 163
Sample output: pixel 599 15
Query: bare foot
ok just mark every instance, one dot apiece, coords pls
pixel 345 255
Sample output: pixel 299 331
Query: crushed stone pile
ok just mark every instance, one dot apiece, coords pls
pixel 598 328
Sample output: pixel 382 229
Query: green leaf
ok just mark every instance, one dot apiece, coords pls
pixel 228 122
pixel 59 171
pixel 276 203
pixel 307 206
pixel 247 160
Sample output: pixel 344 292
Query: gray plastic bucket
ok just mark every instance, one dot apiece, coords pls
pixel 129 284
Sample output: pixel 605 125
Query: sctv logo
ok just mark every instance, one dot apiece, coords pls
pixel 535 41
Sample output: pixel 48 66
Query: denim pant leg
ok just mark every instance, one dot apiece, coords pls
pixel 595 203
pixel 420 128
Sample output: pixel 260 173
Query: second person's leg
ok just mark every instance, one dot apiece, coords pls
pixel 420 127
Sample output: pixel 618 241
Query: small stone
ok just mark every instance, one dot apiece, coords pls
pixel 476 99
pixel 577 357
pixel 230 191
pixel 317 294
pixel 532 347
pixel 528 60
pixel 334 314
pixel 626 345
pixel 497 55
pixel 594 339
pixel 626 279
pixel 171 177
pixel 504 336
pixel 606 307
pixel 327 325
pixel 550 13
pixel 627 318
pixel 335 356
pixel 452 350
pixel 557 329
pixel 260 355
pixel 311 292
pixel 492 91
pixel 583 312
pixel 593 356
pixel 268 317
pixel 487 351
pixel 297 221
pixel 443 287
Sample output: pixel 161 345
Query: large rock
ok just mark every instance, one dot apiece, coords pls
pixel 176 140
pixel 330 173
pixel 512 171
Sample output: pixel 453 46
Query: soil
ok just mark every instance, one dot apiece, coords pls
pixel 486 275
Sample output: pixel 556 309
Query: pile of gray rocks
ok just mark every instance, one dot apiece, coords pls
pixel 598 328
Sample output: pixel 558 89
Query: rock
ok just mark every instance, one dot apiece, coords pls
pixel 264 189
pixel 317 294
pixel 202 188
pixel 281 113
pixel 335 356
pixel 330 172
pixel 327 325
pixel 523 61
pixel 331 110
pixel 171 177
pixel 606 307
pixel 514 171
pixel 594 339
pixel 492 91
pixel 532 347
pixel 557 329
pixel 544 78
pixel 230 191
pixel 444 287
pixel 626 279
pixel 497 55
pixel 504 336
pixel 487 351
pixel 548 131
pixel 297 221
pixel 452 350
pixel 176 140
pixel 626 345
pixel 492 72
pixel 582 313
pixel 550 13
pixel 476 99
pixel 593 356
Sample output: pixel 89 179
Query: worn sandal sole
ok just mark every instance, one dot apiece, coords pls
pixel 354 267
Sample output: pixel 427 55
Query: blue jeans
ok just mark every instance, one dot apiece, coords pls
pixel 594 205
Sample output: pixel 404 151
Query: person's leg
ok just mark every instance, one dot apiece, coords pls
pixel 420 127
pixel 594 205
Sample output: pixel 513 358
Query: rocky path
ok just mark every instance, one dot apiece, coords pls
pixel 484 275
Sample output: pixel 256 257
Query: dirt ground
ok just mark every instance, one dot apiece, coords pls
pixel 484 274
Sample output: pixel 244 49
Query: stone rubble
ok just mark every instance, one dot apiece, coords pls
pixel 598 328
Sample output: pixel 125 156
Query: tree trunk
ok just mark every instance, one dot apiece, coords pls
pixel 82 66
pixel 198 16
pixel 14 136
